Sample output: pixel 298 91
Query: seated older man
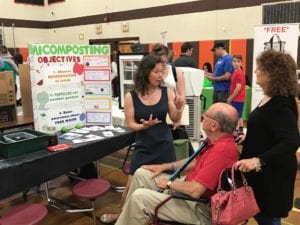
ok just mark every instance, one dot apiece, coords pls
pixel 201 179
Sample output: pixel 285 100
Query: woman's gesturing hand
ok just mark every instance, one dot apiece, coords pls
pixel 150 122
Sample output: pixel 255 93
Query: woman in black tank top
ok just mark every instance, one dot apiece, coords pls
pixel 146 108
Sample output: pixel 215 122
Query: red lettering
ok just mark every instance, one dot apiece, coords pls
pixel 40 59
pixel 279 29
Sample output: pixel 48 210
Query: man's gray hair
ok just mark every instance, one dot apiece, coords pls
pixel 227 124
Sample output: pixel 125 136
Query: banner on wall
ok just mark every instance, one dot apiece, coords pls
pixel 70 85
pixel 281 37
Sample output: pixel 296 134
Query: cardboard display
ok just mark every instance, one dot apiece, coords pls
pixel 7 88
pixel 7 97
pixel 25 83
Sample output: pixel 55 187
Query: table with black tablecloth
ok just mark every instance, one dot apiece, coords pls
pixel 23 172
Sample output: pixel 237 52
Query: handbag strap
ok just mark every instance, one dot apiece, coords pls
pixel 245 183
pixel 220 180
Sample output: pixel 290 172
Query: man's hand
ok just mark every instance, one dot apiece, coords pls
pixel 161 182
pixel 156 169
pixel 150 122
pixel 209 76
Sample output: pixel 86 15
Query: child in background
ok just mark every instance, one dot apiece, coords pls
pixel 237 90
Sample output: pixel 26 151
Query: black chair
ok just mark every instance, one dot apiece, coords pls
pixel 226 185
pixel 125 167
pixel 176 195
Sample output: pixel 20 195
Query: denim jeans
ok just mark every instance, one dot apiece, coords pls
pixel 263 219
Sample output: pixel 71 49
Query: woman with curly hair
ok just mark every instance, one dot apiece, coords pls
pixel 269 148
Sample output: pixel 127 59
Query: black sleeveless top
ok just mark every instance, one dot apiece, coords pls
pixel 154 145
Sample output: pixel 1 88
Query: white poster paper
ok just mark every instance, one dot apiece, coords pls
pixel 61 78
pixel 282 37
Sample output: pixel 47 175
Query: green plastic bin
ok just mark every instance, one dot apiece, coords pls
pixel 181 148
pixel 21 147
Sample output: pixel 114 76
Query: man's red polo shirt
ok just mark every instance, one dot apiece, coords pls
pixel 211 161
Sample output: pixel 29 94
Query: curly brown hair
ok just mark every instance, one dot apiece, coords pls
pixel 281 69
pixel 141 77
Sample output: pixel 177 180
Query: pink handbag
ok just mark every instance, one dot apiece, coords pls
pixel 234 206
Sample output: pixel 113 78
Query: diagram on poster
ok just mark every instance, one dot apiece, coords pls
pixel 98 89
pixel 68 81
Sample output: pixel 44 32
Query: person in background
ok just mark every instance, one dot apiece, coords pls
pixel 237 91
pixel 207 69
pixel 185 59
pixel 6 66
pixel 115 80
pixel 268 156
pixel 145 110
pixel 1 63
pixel 7 57
pixel 173 78
pixel 171 57
pixel 9 64
pixel 222 73
pixel 18 59
pixel 297 200
pixel 137 48
pixel 201 179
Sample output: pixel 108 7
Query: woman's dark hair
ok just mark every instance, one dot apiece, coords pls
pixel 208 66
pixel 141 77
pixel 281 68
pixel 160 49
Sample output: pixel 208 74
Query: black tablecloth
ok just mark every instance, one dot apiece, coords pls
pixel 23 172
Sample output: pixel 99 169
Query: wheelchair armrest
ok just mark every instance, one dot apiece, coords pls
pixel 182 196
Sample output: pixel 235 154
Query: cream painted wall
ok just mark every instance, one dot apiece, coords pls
pixel 9 9
pixel 24 36
pixel 225 24
pixel 212 25
pixel 93 7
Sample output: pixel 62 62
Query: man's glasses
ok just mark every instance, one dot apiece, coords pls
pixel 207 116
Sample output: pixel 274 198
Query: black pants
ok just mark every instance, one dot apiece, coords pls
pixel 220 96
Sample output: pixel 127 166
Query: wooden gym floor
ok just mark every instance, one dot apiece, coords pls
pixel 61 188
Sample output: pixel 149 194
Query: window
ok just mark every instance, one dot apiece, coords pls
pixel 33 2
